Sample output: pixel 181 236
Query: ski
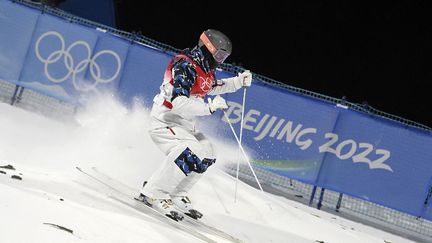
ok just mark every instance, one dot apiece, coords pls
pixel 189 220
pixel 124 198
pixel 212 230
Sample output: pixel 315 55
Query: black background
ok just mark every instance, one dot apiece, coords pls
pixel 379 53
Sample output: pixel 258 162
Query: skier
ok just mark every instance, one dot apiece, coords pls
pixel 188 79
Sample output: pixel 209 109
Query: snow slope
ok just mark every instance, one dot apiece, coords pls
pixel 45 152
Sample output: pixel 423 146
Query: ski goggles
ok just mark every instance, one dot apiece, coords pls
pixel 218 54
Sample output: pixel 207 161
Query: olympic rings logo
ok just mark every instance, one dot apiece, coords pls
pixel 69 62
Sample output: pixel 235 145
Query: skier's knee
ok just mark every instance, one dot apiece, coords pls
pixel 187 161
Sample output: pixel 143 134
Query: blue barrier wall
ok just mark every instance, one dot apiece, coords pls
pixel 290 134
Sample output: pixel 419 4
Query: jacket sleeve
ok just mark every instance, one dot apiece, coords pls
pixel 184 75
pixel 227 85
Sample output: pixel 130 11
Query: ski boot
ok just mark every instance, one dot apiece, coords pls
pixel 184 204
pixel 164 206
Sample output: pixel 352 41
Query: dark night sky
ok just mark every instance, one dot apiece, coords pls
pixel 379 53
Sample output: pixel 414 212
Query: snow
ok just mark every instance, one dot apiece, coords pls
pixel 106 135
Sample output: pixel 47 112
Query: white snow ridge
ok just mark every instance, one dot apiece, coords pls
pixel 44 198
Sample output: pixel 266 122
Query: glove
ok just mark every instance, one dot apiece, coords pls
pixel 217 103
pixel 245 78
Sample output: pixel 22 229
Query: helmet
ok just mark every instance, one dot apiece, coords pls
pixel 217 43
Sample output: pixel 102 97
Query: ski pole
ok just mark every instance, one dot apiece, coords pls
pixel 241 135
pixel 242 150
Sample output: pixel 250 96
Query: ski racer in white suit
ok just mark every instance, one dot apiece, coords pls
pixel 188 79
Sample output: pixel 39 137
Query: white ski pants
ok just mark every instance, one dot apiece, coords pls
pixel 169 180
